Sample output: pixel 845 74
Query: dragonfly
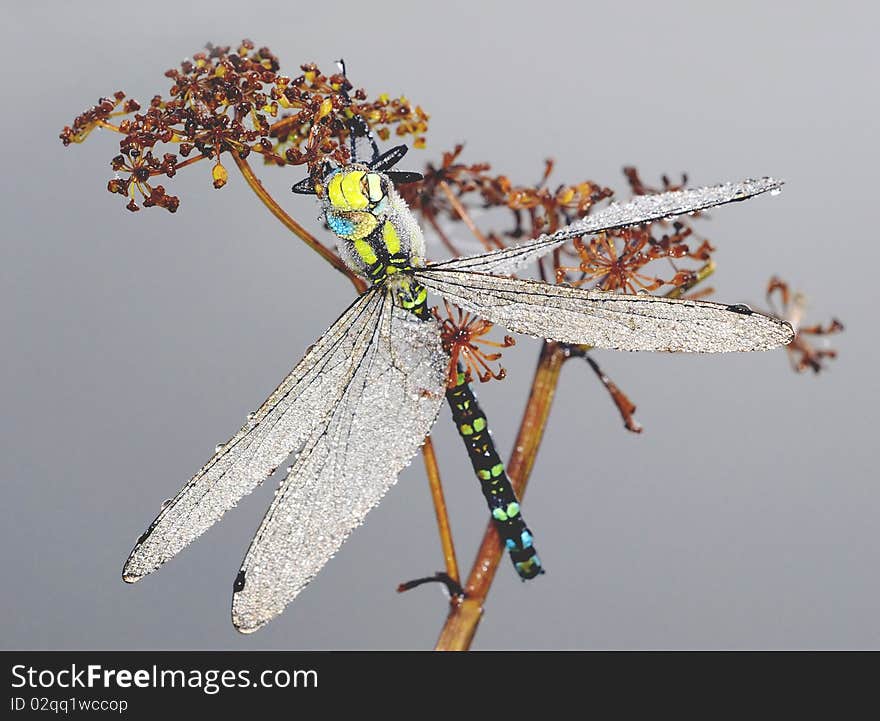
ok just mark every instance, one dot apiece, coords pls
pixel 358 406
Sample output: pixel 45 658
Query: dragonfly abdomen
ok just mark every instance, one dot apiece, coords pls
pixel 494 483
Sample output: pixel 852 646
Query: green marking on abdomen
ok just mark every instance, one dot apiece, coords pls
pixel 489 469
pixel 494 483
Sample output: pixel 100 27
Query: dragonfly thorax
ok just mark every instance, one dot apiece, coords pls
pixel 378 234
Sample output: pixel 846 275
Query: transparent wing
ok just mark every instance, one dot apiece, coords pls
pixel 347 465
pixel 643 209
pixel 279 427
pixel 607 320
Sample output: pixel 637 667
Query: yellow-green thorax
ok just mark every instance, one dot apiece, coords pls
pixel 379 237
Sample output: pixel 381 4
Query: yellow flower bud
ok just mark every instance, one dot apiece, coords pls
pixel 220 175
pixel 325 109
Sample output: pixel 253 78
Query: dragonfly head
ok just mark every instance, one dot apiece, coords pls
pixel 357 197
pixel 355 200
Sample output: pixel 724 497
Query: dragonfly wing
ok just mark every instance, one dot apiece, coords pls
pixel 378 423
pixel 607 320
pixel 279 427
pixel 642 209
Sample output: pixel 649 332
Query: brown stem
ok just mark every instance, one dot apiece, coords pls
pixel 292 225
pixel 463 214
pixel 188 161
pixel 704 272
pixel 279 127
pixel 107 126
pixel 464 616
pixel 433 471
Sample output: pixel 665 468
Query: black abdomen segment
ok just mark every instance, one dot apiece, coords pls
pixel 494 483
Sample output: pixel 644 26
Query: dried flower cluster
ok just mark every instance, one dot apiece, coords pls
pixel 802 352
pixel 462 335
pixel 225 100
pixel 536 209
pixel 616 260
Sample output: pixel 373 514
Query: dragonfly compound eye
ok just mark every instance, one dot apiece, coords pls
pixel 353 190
pixel 373 187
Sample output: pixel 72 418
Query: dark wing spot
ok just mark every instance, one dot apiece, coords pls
pixel 741 308
pixel 239 582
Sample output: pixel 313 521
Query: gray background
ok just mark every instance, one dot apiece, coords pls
pixel 744 516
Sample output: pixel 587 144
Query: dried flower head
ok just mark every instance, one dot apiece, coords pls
pixel 226 100
pixel 639 188
pixel 616 260
pixel 802 352
pixel 453 185
pixel 462 335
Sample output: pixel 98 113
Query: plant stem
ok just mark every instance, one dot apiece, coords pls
pixel 464 616
pixel 293 226
pixel 433 471
pixel 463 214
pixel 185 163
pixel 702 273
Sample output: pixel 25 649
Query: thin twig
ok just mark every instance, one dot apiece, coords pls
pixel 187 162
pixel 293 226
pixel 453 587
pixel 433 471
pixel 463 214
pixel 704 272
pixel 624 405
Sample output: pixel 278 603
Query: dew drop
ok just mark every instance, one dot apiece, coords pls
pixel 219 447
pixel 776 191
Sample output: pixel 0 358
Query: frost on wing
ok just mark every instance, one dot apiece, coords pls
pixel 350 461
